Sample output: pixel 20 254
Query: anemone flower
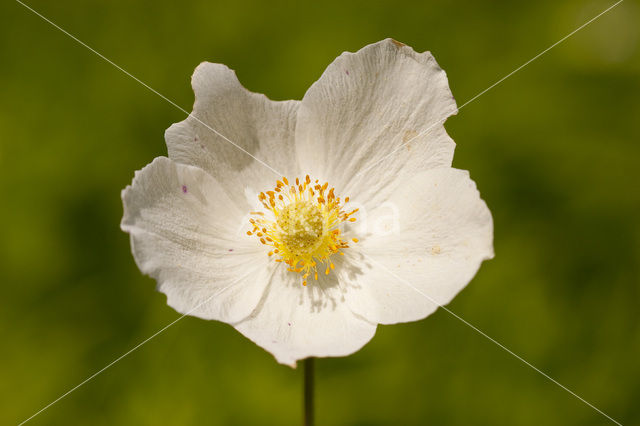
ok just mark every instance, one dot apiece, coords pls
pixel 302 223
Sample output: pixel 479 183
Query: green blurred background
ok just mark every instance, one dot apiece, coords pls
pixel 554 150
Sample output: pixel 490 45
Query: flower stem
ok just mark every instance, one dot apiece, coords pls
pixel 308 391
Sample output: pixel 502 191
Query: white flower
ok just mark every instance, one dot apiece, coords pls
pixel 307 280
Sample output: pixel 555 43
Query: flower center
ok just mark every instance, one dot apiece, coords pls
pixel 305 228
pixel 302 226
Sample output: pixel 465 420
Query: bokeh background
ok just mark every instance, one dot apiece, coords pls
pixel 554 150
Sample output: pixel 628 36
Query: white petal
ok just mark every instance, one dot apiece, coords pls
pixel 258 126
pixel 185 233
pixel 354 122
pixel 295 322
pixel 443 233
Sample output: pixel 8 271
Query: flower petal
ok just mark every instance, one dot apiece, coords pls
pixel 185 234
pixel 443 233
pixel 295 322
pixel 366 116
pixel 257 127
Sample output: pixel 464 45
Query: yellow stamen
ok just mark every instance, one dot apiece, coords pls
pixel 303 229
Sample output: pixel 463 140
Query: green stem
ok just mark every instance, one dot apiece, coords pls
pixel 308 391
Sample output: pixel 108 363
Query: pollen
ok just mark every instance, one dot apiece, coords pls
pixel 302 225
